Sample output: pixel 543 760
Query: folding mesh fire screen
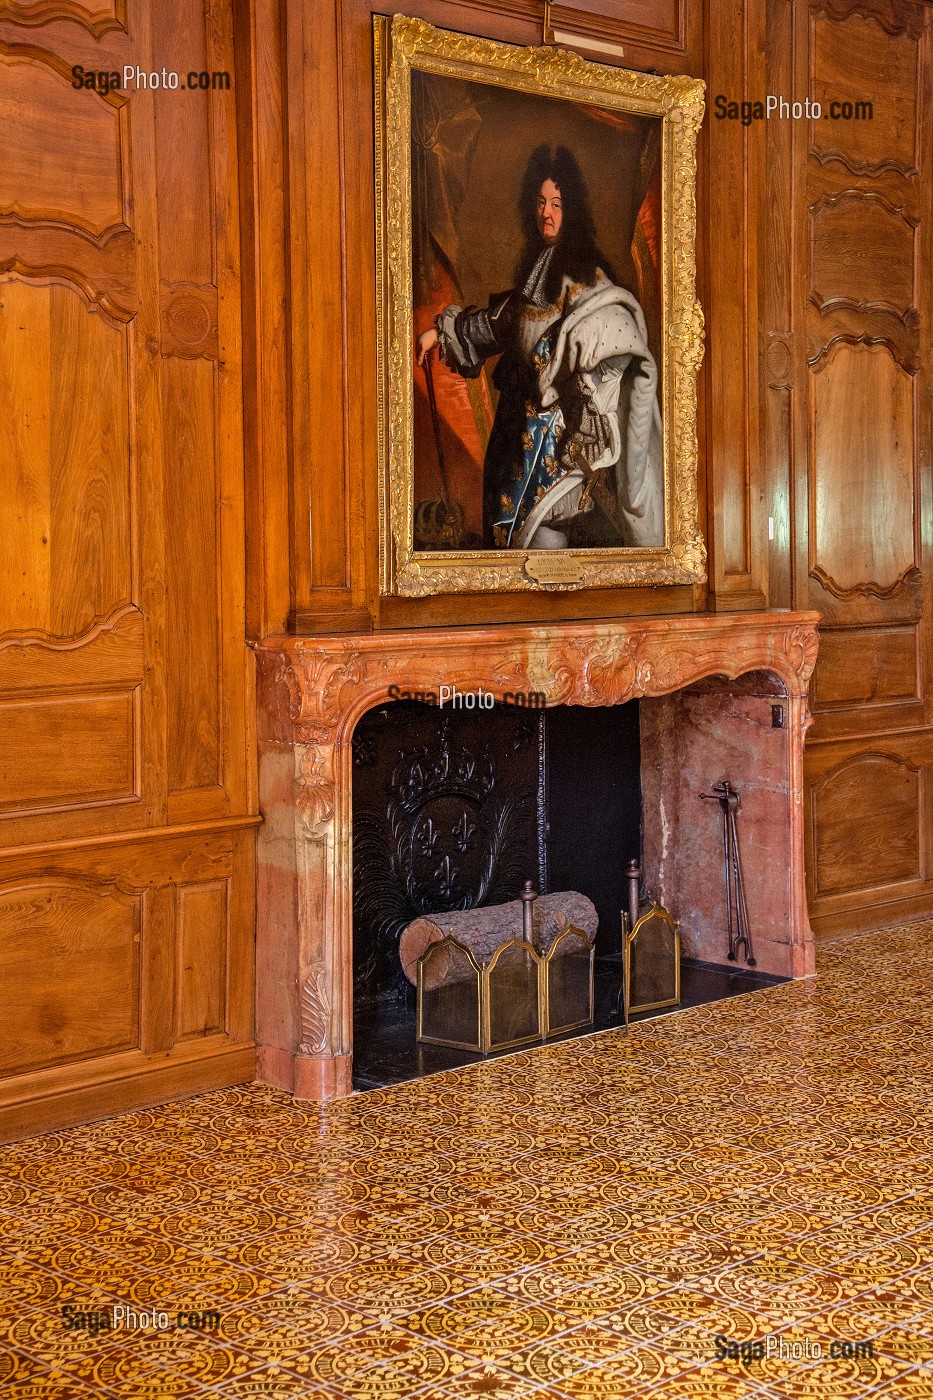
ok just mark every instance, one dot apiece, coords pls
pixel 651 962
pixel 516 997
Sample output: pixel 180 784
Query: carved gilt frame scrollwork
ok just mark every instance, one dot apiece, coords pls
pixel 404 45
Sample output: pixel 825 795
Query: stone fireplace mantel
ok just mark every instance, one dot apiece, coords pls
pixel 312 692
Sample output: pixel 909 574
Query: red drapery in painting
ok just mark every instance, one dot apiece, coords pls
pixel 443 140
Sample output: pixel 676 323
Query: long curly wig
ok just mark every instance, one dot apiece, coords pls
pixel 576 252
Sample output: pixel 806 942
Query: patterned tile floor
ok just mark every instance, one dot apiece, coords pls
pixel 579 1221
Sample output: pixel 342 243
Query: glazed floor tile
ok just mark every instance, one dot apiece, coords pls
pixel 628 1214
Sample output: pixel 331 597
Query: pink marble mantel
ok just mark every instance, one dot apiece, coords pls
pixel 312 692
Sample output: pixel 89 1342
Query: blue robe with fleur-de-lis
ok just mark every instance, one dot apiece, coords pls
pixel 540 463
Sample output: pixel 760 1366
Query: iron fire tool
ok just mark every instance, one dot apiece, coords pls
pixel 736 907
pixel 438 522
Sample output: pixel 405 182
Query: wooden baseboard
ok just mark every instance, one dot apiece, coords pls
pixel 872 916
pixel 53 1099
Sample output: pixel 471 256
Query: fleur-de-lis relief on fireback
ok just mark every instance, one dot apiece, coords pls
pixel 426 838
pixel 464 833
pixel 445 876
pixel 364 750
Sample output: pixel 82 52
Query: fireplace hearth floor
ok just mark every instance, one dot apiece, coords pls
pixel 386 1051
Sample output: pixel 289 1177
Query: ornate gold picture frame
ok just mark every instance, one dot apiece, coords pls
pixel 539 334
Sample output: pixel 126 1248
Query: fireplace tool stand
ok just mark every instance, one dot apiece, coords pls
pixel 736 906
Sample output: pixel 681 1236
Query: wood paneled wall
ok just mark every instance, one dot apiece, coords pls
pixel 310 217
pixel 847 430
pixel 126 798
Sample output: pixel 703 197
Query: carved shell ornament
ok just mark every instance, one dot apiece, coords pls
pixel 315 788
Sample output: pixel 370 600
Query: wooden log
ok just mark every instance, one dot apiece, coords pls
pixel 485 930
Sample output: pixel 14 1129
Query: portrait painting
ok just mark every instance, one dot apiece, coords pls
pixel 539 330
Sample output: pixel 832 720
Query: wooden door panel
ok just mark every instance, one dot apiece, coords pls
pixel 863 254
pixel 867 666
pixel 109 654
pixel 67 749
pixel 72 650
pixel 97 17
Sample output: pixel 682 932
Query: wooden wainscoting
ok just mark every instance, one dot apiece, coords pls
pixel 126 802
pixel 848 436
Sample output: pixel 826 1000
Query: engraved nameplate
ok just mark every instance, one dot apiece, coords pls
pixel 553 568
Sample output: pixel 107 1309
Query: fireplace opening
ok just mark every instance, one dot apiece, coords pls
pixel 455 808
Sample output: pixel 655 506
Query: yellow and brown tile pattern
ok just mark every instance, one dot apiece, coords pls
pixel 580 1221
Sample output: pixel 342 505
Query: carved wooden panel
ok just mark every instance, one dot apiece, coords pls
pixel 39 110
pixel 108 654
pixel 866 823
pixel 201 966
pixel 859 58
pixel 69 973
pixel 862 446
pixel 862 254
pixel 74 750
pixel 98 18
pixel 866 665
pixel 65 508
pixel 193 603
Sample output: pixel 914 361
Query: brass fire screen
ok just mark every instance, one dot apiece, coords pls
pixel 651 970
pixel 516 997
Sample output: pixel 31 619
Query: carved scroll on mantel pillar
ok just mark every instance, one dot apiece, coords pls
pixel 313 691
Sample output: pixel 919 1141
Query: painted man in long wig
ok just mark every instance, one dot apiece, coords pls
pixel 577 426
